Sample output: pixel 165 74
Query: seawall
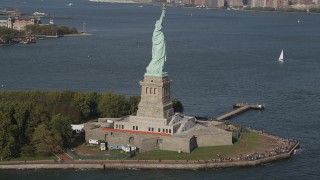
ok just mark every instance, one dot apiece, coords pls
pixel 52 166
pixel 144 164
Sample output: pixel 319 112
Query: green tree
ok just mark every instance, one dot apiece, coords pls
pixel 28 150
pixel 45 141
pixel 60 125
pixel 94 98
pixel 82 102
pixel 24 111
pixel 53 98
pixel 133 103
pixel 177 106
pixel 112 105
pixel 7 34
pixel 7 140
pixel 38 115
pixel 50 30
pixel 67 30
pixel 21 116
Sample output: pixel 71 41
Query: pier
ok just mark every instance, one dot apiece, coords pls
pixel 240 108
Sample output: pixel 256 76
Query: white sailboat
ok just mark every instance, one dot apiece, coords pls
pixel 281 57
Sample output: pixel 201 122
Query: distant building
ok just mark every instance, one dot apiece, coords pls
pixel 277 3
pixel 19 23
pixel 78 128
pixel 272 3
pixel 282 4
pixel 11 12
pixel 189 2
pixel 305 2
pixel 258 3
pixel 198 3
pixel 234 3
pixel 214 3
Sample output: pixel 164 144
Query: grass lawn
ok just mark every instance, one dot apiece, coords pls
pixel 34 158
pixel 94 150
pixel 248 143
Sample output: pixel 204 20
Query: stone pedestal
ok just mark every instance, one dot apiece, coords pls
pixel 155 98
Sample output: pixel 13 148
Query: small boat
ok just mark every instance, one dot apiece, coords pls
pixel 51 22
pixel 25 42
pixel 70 4
pixel 298 21
pixel 39 14
pixel 281 57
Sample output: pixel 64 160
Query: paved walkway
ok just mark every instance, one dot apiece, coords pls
pixel 63 156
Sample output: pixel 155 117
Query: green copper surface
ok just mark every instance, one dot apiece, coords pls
pixel 159 52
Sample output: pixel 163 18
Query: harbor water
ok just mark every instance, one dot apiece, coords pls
pixel 215 58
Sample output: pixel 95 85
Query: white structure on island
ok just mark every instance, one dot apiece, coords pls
pixel 78 128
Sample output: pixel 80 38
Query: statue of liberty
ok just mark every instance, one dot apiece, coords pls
pixel 159 53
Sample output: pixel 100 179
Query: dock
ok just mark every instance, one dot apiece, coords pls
pixel 239 109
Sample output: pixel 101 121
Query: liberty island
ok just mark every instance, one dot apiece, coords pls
pixel 156 127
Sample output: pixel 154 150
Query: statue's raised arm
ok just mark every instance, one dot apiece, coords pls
pixel 159 53
pixel 163 14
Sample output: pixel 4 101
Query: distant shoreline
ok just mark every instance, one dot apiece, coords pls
pixel 289 10
pixel 115 1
